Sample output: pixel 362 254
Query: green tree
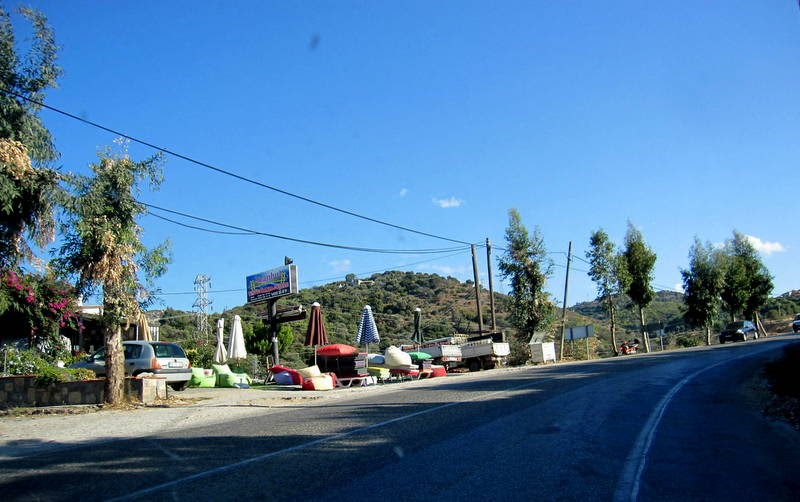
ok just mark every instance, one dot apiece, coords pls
pixel 637 261
pixel 102 248
pixel 257 338
pixel 604 272
pixel 27 186
pixel 526 265
pixel 747 283
pixel 702 287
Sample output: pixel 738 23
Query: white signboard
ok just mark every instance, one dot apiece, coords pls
pixel 543 352
pixel 578 332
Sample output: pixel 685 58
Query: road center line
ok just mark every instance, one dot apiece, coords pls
pixel 341 435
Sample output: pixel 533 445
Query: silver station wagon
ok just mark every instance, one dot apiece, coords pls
pixel 162 359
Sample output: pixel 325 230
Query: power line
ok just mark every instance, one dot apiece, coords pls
pixel 293 239
pixel 581 259
pixel 223 171
pixel 194 227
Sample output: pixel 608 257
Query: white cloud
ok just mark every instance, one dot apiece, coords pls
pixel 679 287
pixel 403 192
pixel 764 247
pixel 340 265
pixel 447 203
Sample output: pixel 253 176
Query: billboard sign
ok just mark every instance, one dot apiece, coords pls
pixel 578 332
pixel 263 286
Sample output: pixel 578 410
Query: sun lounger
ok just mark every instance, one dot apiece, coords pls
pixel 380 374
pixel 404 374
pixel 358 381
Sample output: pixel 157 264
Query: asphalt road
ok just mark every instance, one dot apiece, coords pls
pixel 678 425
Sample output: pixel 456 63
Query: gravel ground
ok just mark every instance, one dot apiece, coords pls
pixel 27 431
pixel 31 431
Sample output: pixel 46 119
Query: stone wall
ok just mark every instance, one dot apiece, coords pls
pixel 21 391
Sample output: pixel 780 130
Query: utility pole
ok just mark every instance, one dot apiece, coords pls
pixel 272 321
pixel 477 289
pixel 564 307
pixel 491 285
pixel 201 285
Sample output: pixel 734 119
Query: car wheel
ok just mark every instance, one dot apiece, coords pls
pixel 178 386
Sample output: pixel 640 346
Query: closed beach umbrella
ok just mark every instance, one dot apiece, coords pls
pixel 417 336
pixel 236 348
pixel 367 330
pixel 143 329
pixel 316 334
pixel 221 355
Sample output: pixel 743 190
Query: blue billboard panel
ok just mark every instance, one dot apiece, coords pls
pixel 281 281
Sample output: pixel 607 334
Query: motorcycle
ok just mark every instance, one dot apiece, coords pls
pixel 629 347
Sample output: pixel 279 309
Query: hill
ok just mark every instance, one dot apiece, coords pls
pixel 448 306
pixel 665 312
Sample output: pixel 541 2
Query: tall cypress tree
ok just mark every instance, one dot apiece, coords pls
pixel 526 265
pixel 747 283
pixel 604 271
pixel 638 261
pixel 702 286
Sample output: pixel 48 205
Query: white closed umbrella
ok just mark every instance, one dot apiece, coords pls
pixel 221 355
pixel 236 349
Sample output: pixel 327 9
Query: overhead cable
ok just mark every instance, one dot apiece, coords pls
pixel 302 241
pixel 224 171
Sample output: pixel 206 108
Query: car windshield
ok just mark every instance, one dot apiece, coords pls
pixel 736 325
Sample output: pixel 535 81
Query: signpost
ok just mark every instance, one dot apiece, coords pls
pixel 267 287
pixel 578 332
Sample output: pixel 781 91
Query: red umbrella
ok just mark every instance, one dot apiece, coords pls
pixel 316 333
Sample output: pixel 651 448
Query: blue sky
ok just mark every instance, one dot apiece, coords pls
pixel 681 117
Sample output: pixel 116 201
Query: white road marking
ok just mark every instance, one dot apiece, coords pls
pixel 630 479
pixel 259 458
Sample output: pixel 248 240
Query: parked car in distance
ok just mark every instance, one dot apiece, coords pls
pixel 163 359
pixel 796 323
pixel 738 331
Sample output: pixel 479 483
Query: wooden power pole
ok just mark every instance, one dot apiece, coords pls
pixel 491 284
pixel 477 289
pixel 564 307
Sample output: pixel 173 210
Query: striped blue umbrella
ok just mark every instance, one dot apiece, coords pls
pixel 367 330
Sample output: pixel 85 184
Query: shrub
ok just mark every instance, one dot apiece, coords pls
pixel 49 374
pixel 80 374
pixel 200 355
pixel 520 352
pixel 23 362
pixel 45 301
pixel 52 374
pixel 688 341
